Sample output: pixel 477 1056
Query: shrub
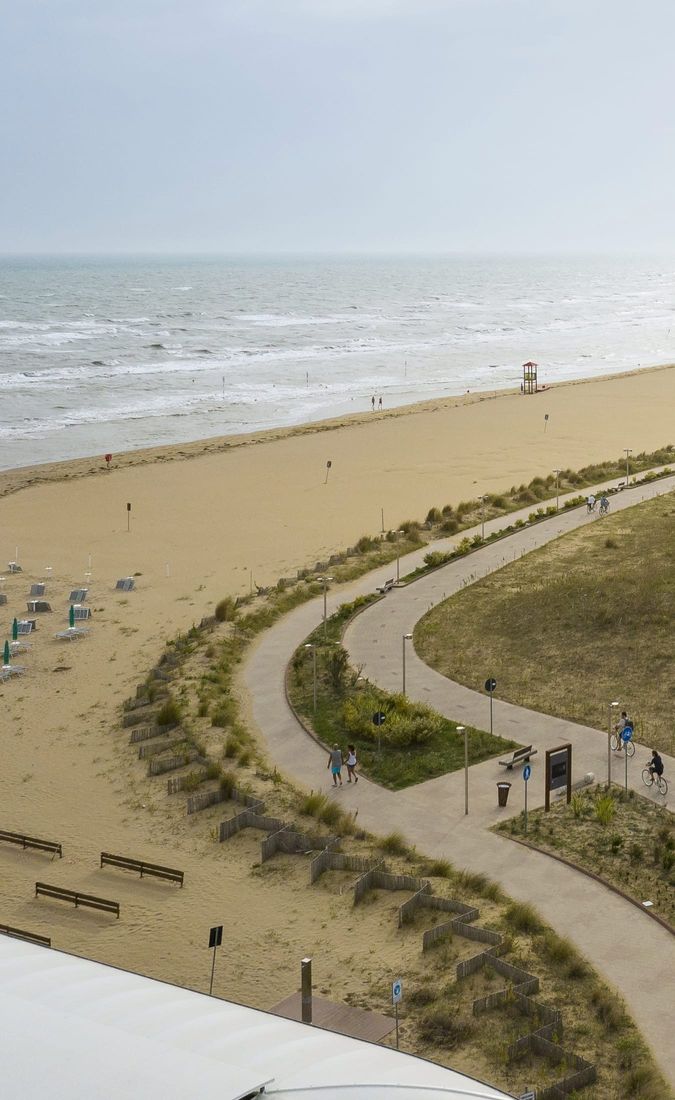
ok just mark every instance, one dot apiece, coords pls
pixel 423 995
pixel 441 1025
pixel 522 918
pixel 213 770
pixel 394 844
pixel 636 852
pixel 224 714
pixel 605 809
pixel 611 544
pixel 437 868
pixel 433 516
pixel 244 758
pixel 228 783
pixel 578 804
pixel 203 709
pixel 169 713
pixel 608 1008
pixel 436 557
pixel 365 544
pixel 230 748
pixel 450 526
pixel 312 803
pixel 226 610
pixel 338 666
pixel 615 842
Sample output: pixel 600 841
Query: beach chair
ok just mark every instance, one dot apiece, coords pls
pixel 78 595
pixel 39 607
pixel 71 633
pixel 125 584
pixel 14 567
pixel 3 599
pixel 80 613
pixel 37 590
pixel 13 670
pixel 24 626
pixel 19 647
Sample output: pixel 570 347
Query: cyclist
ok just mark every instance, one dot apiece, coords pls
pixel 624 721
pixel 590 503
pixel 656 765
pixel 604 505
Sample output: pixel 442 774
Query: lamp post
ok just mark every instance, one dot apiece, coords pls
pixel 325 581
pixel 482 517
pixel 406 638
pixel 627 451
pixel 611 710
pixel 308 645
pixel 557 490
pixel 463 729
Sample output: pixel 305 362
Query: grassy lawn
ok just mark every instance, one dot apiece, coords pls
pixel 412 745
pixel 573 626
pixel 634 849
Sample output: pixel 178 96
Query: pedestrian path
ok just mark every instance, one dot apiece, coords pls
pixel 431 815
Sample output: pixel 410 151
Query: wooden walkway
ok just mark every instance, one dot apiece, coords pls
pixel 343 1019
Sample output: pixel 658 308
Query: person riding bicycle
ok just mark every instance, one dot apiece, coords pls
pixel 620 726
pixel 656 765
pixel 604 505
pixel 590 503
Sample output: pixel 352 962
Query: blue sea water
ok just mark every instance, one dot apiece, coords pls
pixel 111 353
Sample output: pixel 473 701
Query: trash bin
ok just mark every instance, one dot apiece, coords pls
pixel 503 793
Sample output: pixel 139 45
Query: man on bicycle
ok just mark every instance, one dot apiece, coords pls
pixel 656 765
pixel 604 505
pixel 590 503
pixel 620 726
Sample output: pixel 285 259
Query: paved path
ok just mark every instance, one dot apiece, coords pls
pixel 431 815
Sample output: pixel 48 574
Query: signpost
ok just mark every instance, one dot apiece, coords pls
pixel 396 995
pixel 490 686
pixel 215 940
pixel 558 772
pixel 379 719
pixel 128 517
pixel 527 772
pixel 626 736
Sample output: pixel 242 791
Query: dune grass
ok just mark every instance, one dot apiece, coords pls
pixel 568 628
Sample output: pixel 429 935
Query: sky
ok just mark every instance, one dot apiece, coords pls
pixel 337 125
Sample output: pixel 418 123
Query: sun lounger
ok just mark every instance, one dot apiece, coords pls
pixel 3 598
pixel 81 612
pixel 71 633
pixel 37 590
pixel 125 584
pixel 19 647
pixel 24 626
pixel 38 607
pixel 78 595
pixel 13 670
pixel 14 567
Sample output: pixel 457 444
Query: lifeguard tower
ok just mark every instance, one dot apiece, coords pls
pixel 530 378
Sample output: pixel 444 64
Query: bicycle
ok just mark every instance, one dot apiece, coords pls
pixel 649 778
pixel 590 507
pixel 617 745
pixel 604 507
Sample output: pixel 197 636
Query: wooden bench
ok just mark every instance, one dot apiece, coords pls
pixel 386 587
pixel 519 756
pixel 32 842
pixel 128 864
pixel 29 937
pixel 62 894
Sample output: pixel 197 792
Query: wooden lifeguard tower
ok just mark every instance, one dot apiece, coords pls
pixel 529 378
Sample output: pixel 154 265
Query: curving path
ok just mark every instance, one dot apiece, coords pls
pixel 626 947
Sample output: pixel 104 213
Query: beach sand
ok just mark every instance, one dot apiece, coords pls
pixel 206 519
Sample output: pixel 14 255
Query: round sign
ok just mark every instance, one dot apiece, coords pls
pixel 379 718
pixel 396 991
pixel 527 772
pixel 490 684
pixel 626 733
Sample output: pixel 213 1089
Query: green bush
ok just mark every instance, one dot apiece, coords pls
pixel 522 918
pixel 226 610
pixel 450 526
pixel 228 783
pixel 442 1026
pixel 225 713
pixel 407 723
pixel 436 557
pixel 605 809
pixel 169 714
pixel 433 516
pixel 394 844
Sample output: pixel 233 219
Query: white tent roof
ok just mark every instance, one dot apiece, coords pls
pixel 74 1028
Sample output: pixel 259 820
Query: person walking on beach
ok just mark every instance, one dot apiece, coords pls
pixel 372 402
pixel 335 764
pixel 379 404
pixel 351 764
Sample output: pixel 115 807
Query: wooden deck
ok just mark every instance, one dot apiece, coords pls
pixel 343 1019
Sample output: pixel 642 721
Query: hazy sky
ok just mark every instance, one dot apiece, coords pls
pixel 323 125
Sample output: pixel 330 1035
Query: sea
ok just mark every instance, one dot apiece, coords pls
pixel 111 353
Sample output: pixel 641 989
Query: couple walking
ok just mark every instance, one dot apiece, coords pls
pixel 336 762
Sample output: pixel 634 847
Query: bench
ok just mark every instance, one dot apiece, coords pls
pixel 519 756
pixel 62 894
pixel 32 842
pixel 128 864
pixel 386 587
pixel 29 937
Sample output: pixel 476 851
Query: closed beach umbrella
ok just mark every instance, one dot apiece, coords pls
pixel 15 630
pixel 6 653
pixel 71 616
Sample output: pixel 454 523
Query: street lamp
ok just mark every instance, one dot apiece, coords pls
pixel 627 451
pixel 325 581
pixel 308 645
pixel 557 489
pixel 482 517
pixel 406 638
pixel 463 729
pixel 611 710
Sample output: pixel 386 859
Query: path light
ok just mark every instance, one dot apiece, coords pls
pixel 611 711
pixel 627 451
pixel 557 490
pixel 482 517
pixel 325 581
pixel 308 645
pixel 464 730
pixel 406 638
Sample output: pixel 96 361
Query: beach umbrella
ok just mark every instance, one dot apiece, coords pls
pixel 15 630
pixel 71 616
pixel 6 653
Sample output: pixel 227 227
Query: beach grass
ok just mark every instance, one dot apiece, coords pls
pixel 569 627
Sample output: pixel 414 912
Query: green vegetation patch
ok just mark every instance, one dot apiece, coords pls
pixel 581 622
pixel 413 744
pixel 627 839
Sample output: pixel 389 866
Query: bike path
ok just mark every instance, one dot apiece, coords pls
pixel 431 815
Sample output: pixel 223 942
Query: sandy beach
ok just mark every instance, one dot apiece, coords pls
pixel 208 519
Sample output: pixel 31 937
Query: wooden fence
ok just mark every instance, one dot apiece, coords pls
pixel 146 750
pixel 144 733
pixel 337 861
pixel 169 763
pixel 292 842
pixel 248 819
pixel 180 782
